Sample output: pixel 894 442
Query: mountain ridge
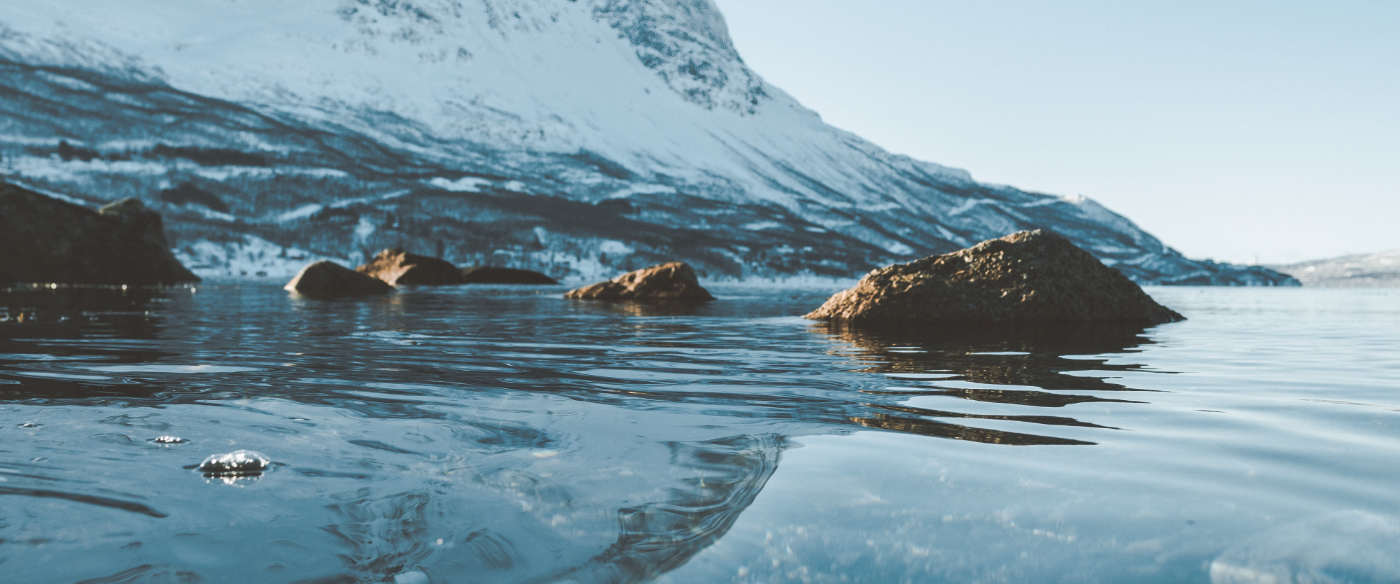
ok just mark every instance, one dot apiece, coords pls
pixel 583 138
pixel 1363 270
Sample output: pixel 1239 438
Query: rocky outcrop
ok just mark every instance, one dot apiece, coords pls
pixel 671 281
pixel 45 240
pixel 1030 276
pixel 397 267
pixel 331 280
pixel 494 275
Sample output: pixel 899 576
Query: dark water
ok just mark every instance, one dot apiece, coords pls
pixel 498 434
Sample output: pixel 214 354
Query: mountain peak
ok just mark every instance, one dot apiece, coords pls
pixel 577 136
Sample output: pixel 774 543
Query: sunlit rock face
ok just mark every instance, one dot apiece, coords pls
pixel 1026 277
pixel 580 139
pixel 672 281
pixel 397 267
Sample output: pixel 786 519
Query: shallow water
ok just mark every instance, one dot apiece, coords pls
pixel 502 434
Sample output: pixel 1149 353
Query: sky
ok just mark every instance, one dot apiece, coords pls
pixel 1237 130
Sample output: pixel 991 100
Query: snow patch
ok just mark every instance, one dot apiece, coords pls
pixel 466 184
pixel 301 212
pixel 898 248
pixel 643 189
pixel 364 229
pixel 248 257
pixel 614 247
pixel 343 203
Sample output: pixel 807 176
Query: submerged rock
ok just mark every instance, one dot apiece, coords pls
pixel 494 275
pixel 325 279
pixel 1030 276
pixel 45 240
pixel 671 281
pixel 397 267
pixel 235 464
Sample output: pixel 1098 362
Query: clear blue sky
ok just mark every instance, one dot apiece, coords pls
pixel 1228 128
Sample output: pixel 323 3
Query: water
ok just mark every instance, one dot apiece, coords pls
pixel 502 434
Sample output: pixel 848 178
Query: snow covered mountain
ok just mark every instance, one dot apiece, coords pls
pixel 580 137
pixel 1376 270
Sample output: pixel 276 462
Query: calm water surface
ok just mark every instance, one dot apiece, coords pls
pixel 502 434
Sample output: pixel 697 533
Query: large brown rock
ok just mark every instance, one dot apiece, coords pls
pixel 397 267
pixel 331 280
pixel 494 275
pixel 672 281
pixel 1031 276
pixel 45 240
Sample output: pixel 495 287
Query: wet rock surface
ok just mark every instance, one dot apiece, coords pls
pixel 494 275
pixel 670 281
pixel 1030 276
pixel 45 240
pixel 397 267
pixel 331 280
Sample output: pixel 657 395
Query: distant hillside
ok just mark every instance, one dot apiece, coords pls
pixel 577 138
pixel 1377 270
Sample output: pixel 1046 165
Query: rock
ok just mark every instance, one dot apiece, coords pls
pixel 46 240
pixel 672 281
pixel 493 275
pixel 331 280
pixel 235 464
pixel 397 267
pixel 1031 276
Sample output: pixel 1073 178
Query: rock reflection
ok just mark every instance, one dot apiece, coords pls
pixel 1029 360
pixel 488 533
pixel 41 326
pixel 659 536
pixel 1031 355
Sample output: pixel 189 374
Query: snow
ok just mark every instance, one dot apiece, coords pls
pixel 643 189
pixel 466 184
pixel 54 194
pixel 343 203
pixel 899 248
pixel 249 256
pixel 762 225
pixel 510 74
pixel 301 212
pixel 614 247
pixel 646 97
pixel 364 229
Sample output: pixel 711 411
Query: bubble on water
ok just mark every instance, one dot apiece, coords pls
pixel 169 440
pixel 239 463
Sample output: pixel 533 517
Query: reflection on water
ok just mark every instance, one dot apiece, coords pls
pixel 484 434
pixel 981 364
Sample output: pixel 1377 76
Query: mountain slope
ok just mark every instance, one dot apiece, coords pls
pixel 580 137
pixel 1376 270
